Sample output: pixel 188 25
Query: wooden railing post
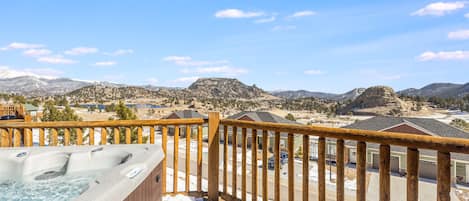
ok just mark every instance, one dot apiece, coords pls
pixel 213 157
pixel 444 176
pixel 340 170
pixel 412 174
pixel 384 173
pixel 361 171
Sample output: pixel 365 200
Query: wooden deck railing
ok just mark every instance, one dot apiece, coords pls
pixel 256 133
pixel 443 146
pixel 20 134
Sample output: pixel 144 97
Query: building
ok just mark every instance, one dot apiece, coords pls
pixel 417 126
pixel 187 114
pixel 263 117
pixel 12 111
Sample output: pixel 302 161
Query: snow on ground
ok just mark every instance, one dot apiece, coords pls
pixel 193 186
pixel 313 175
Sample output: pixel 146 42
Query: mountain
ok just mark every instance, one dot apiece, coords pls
pixel 36 86
pixel 289 94
pixel 375 100
pixel 350 95
pixel 226 88
pixel 442 90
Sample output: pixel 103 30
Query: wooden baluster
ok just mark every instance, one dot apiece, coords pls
pixel 103 136
pixel 444 176
pixel 254 164
pixel 384 172
pixel 164 144
pixel 361 171
pixel 91 136
pixel 243 166
pixel 213 155
pixel 5 141
pixel 79 136
pixel 117 133
pixel 412 174
pixel 188 156
pixel 176 158
pixel 276 149
pixel 321 169
pixel 10 135
pixel 305 167
pixel 66 136
pixel 28 137
pixel 139 135
pixel 128 135
pixel 340 170
pixel 17 136
pixel 152 134
pixel 53 137
pixel 234 171
pixel 41 137
pixel 199 158
pixel 225 159
pixel 291 167
pixel 265 142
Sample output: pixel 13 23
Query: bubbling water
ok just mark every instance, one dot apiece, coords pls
pixel 61 188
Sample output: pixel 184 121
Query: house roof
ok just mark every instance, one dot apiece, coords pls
pixel 187 114
pixel 262 117
pixel 433 126
pixel 30 107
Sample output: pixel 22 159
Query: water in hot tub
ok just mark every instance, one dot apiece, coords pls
pixel 61 188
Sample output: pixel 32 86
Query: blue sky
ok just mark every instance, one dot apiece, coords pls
pixel 314 45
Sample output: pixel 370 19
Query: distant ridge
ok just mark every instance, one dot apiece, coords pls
pixel 350 95
pixel 442 90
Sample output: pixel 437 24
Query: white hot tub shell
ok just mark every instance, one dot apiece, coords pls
pixel 127 172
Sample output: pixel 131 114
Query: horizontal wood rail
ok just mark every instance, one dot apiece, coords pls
pixel 113 123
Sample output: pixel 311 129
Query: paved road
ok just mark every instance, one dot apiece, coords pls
pixel 330 193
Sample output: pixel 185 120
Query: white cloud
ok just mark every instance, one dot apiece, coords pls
pixel 16 45
pixel 185 79
pixel 450 55
pixel 81 50
pixel 440 8
pixel 105 63
pixel 283 27
pixel 313 72
pixel 7 72
pixel 459 35
pixel 57 59
pixel 188 61
pixel 225 70
pixel 119 52
pixel 303 13
pixel 37 52
pixel 236 13
pixel 265 20
pixel 466 15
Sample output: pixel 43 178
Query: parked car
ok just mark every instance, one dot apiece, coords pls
pixel 7 117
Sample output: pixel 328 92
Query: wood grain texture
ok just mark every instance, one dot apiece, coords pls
pixel 340 196
pixel 443 185
pixel 384 172
pixel 254 146
pixel 291 167
pixel 306 167
pixel 213 155
pixel 265 142
pixel 91 136
pixel 412 174
pixel 321 169
pixel 361 171
pixel 445 144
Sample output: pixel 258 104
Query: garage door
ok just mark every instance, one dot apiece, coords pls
pixel 427 169
pixel 394 163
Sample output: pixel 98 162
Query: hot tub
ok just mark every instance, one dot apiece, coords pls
pixel 81 173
